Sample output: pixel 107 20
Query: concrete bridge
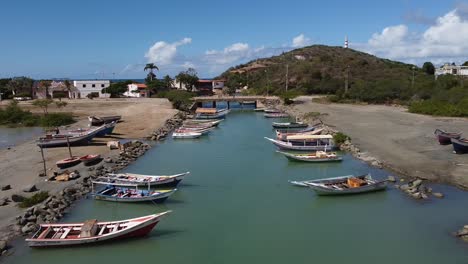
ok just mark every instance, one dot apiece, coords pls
pixel 199 100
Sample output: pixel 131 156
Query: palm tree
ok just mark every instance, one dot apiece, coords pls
pixel 151 67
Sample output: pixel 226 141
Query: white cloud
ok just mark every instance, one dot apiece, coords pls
pixel 445 40
pixel 163 53
pixel 228 55
pixel 300 41
pixel 188 64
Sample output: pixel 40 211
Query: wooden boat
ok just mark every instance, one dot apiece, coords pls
pixel 202 131
pixel 129 193
pixel 68 162
pixel 210 113
pixel 276 115
pixel 196 127
pixel 283 136
pixel 186 135
pixel 203 122
pixel 344 185
pixel 100 120
pixel 272 110
pixel 445 137
pixel 90 159
pixel 145 180
pixel 60 140
pixel 290 125
pixel 318 156
pixel 460 146
pixel 92 231
pixel 108 130
pixel 323 142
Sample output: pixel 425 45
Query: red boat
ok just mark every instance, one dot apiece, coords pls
pixel 444 137
pixel 89 159
pixel 69 162
pixel 91 231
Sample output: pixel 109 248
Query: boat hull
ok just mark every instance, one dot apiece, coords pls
pixel 288 146
pixel 159 198
pixel 460 146
pixel 300 159
pixel 170 181
pixel 444 137
pixel 379 186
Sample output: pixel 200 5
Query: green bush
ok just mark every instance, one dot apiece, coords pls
pixel 56 119
pixel 180 99
pixel 33 200
pixel 340 138
pixel 440 108
pixel 13 115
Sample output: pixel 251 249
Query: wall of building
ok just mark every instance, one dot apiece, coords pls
pixel 93 86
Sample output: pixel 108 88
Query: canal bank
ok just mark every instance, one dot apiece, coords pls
pixel 237 206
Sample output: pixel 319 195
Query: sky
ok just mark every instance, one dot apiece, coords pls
pixel 115 39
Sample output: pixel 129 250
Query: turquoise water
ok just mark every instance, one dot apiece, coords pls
pixel 237 207
pixel 12 136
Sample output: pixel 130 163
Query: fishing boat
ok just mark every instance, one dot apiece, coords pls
pixel 92 231
pixel 276 115
pixel 129 193
pixel 460 146
pixel 90 159
pixel 290 125
pixel 202 131
pixel 318 156
pixel 144 180
pixel 344 185
pixel 272 110
pixel 284 135
pixel 186 135
pixel 445 137
pixel 100 120
pixel 210 113
pixel 296 130
pixel 68 162
pixel 108 130
pixel 196 127
pixel 203 122
pixel 305 143
pixel 60 140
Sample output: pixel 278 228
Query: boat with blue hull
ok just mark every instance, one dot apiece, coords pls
pixel 129 193
pixel 60 140
pixel 460 146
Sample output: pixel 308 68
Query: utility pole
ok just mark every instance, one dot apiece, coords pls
pixel 287 76
pixel 43 161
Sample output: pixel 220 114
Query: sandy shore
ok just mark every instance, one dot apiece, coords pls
pixel 21 165
pixel 402 141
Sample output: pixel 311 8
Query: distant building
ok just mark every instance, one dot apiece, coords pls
pixel 203 85
pixel 57 89
pixel 452 69
pixel 136 90
pixel 91 86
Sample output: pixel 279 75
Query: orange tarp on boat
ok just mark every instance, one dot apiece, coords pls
pixel 206 111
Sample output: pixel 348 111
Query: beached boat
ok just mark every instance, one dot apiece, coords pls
pixel 100 120
pixel 276 115
pixel 318 156
pixel 108 130
pixel 460 146
pixel 68 162
pixel 60 140
pixel 445 137
pixel 186 135
pixel 210 113
pixel 344 185
pixel 305 143
pixel 145 180
pixel 290 125
pixel 92 231
pixel 129 193
pixel 90 159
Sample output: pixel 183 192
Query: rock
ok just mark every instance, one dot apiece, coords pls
pixel 28 228
pixel 397 186
pixel 416 195
pixel 3 202
pixel 30 188
pixel 17 198
pixel 438 195
pixel 416 183
pixel 404 187
pixel 5 187
pixel 391 178
pixel 3 245
pixel 108 160
pixel 32 218
pixel 42 174
pixel 424 196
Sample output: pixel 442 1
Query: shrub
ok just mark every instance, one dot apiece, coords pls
pixel 56 119
pixel 340 138
pixel 93 95
pixel 33 200
pixel 180 99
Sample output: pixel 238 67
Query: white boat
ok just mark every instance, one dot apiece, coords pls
pixel 344 185
pixel 186 135
pixel 211 113
pixel 322 142
pixel 208 122
pixel 144 180
pixel 129 193
pixel 202 131
pixel 92 231
pixel 318 156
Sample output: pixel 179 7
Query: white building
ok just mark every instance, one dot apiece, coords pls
pixel 452 69
pixel 136 90
pixel 91 86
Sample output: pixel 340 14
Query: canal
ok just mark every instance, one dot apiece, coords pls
pixel 238 207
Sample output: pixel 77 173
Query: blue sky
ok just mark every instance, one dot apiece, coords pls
pixel 102 39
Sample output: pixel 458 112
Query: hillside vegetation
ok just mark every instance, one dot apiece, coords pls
pixel 322 70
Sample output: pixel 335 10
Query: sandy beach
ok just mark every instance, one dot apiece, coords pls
pixel 403 141
pixel 21 165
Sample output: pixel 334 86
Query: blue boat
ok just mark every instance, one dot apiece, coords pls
pixel 460 146
pixel 107 130
pixel 61 140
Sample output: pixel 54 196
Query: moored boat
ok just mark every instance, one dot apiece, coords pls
pixel 100 120
pixel 460 146
pixel 290 125
pixel 210 122
pixel 145 180
pixel 186 135
pixel 129 193
pixel 318 156
pixel 276 115
pixel 202 131
pixel 92 231
pixel 272 110
pixel 445 137
pixel 210 113
pixel 68 162
pixel 305 143
pixel 90 159
pixel 284 135
pixel 344 185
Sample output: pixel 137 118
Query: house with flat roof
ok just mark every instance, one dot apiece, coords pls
pixel 86 87
pixel 452 69
pixel 136 90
